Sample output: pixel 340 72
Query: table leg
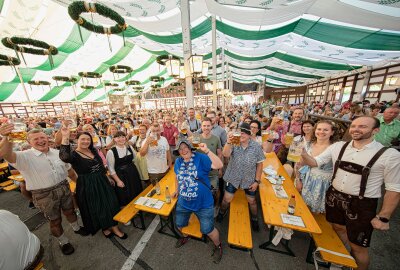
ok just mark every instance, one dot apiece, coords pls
pixel 168 223
pixel 143 225
pixel 285 244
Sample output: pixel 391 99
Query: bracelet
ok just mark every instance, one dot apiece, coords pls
pixel 208 152
pixel 257 181
pixel 228 143
pixel 270 141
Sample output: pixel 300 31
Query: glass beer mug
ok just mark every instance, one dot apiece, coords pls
pixel 295 149
pixel 18 134
pixel 236 137
pixel 184 128
pixel 196 140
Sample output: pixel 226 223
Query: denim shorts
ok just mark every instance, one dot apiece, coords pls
pixel 231 189
pixel 205 216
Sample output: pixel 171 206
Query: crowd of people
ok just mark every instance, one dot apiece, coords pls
pixel 112 157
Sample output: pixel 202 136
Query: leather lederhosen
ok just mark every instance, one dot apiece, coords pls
pixel 355 168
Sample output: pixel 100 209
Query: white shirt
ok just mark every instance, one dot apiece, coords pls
pixel 385 170
pixel 41 170
pixel 157 156
pixel 122 152
pixel 18 246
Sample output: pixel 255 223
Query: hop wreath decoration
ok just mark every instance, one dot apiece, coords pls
pixel 87 87
pixel 132 82
pixel 75 9
pixel 38 82
pixel 118 89
pixel 121 69
pixel 156 79
pixel 65 79
pixel 95 75
pixel 111 84
pixel 16 43
pixel 162 59
pixel 8 60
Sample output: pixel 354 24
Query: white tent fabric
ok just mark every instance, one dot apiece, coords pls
pixel 284 42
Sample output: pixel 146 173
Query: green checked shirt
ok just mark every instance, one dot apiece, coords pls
pixel 388 132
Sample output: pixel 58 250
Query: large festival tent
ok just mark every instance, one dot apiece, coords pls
pixel 280 42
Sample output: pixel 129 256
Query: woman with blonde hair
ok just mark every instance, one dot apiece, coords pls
pixel 314 182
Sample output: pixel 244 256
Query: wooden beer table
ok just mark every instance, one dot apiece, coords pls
pixel 165 212
pixel 3 166
pixel 273 207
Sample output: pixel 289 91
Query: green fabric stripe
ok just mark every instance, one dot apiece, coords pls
pixel 255 35
pixel 70 45
pixel 143 67
pixel 277 85
pixel 52 93
pixel 121 54
pixel 294 60
pixel 348 36
pixel 83 94
pixel 1 5
pixel 195 32
pixel 293 73
pixel 339 35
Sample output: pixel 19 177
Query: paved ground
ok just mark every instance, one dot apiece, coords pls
pixel 97 252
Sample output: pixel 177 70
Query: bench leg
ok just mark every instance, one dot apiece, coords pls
pixel 310 256
pixel 168 223
pixel 143 225
pixel 285 244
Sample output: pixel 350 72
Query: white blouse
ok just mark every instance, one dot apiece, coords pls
pixel 122 152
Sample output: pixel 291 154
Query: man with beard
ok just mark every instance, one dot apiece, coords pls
pixel 361 166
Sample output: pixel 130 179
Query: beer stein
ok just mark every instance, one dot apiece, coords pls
pixel 236 137
pixel 18 134
pixel 288 139
pixel 295 149
pixel 196 140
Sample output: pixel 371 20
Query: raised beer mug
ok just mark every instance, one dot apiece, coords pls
pixel 18 134
pixel 295 149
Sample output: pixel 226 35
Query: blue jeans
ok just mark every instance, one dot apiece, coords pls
pixel 205 216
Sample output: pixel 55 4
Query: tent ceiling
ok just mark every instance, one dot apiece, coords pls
pixel 285 42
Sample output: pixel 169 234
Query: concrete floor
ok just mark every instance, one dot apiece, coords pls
pixel 97 252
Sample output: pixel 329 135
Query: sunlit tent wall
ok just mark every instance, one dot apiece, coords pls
pixel 279 44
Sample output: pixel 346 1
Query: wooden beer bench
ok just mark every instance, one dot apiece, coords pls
pixel 8 185
pixel 239 232
pixel 329 240
pixel 193 228
pixel 129 211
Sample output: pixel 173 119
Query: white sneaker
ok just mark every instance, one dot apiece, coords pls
pixel 129 223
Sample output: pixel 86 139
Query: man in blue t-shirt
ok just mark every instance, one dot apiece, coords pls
pixel 194 191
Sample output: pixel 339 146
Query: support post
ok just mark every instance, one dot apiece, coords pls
pixel 364 91
pixel 214 61
pixel 187 50
pixel 326 88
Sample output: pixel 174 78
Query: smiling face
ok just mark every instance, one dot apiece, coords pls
pixel 39 141
pixel 307 128
pixel 184 151
pixel 254 128
pixel 362 128
pixel 84 141
pixel 298 115
pixel 120 140
pixel 323 131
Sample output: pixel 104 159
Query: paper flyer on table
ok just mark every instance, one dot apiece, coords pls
pixel 150 202
pixel 292 220
pixel 279 191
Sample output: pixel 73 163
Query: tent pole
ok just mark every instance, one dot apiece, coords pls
pixel 214 61
pixel 26 92
pixel 187 50
pixel 223 80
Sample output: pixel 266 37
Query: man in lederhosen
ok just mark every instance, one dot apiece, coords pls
pixel 361 166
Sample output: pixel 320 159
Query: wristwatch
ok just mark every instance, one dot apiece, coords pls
pixel 383 219
pixel 257 181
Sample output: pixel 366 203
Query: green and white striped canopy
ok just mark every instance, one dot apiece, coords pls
pixel 282 42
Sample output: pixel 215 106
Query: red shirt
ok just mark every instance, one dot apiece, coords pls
pixel 168 133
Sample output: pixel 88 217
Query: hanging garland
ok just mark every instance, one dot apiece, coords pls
pixel 121 69
pixel 87 87
pixel 111 84
pixel 118 89
pixel 156 79
pixel 16 42
pixel 8 60
pixel 95 75
pixel 65 79
pixel 38 82
pixel 162 59
pixel 138 89
pixel 176 84
pixel 75 9
pixel 132 82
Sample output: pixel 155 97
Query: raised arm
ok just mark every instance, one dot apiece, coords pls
pixel 216 162
pixel 65 148
pixel 227 150
pixel 6 147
